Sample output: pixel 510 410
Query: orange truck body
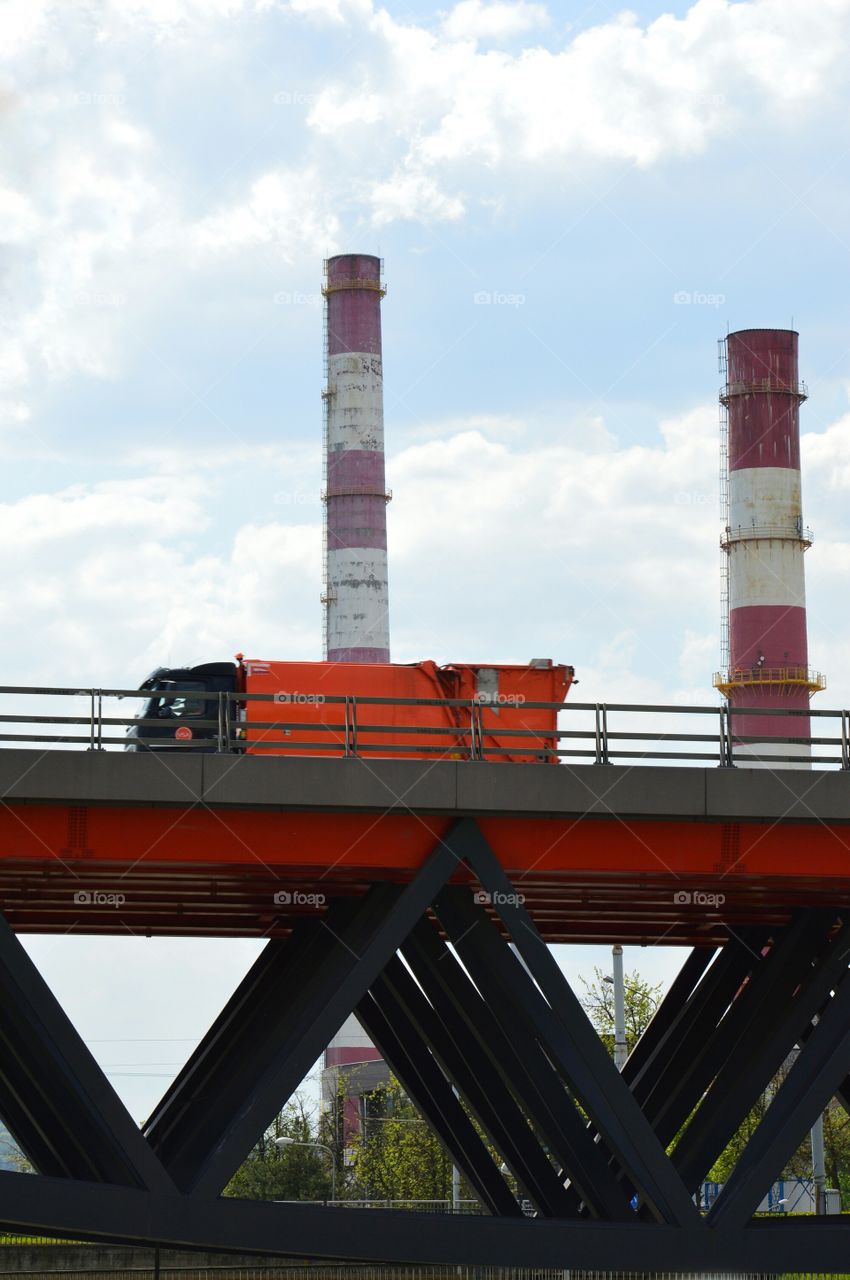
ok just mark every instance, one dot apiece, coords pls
pixel 319 708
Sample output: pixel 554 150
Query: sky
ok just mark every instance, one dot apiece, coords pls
pixel 573 202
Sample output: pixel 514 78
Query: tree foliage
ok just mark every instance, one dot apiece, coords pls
pixel 293 1173
pixel 641 1001
pixel 396 1155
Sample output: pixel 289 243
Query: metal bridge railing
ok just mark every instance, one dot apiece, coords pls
pixel 474 730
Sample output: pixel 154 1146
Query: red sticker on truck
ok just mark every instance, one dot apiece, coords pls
pixel 183 733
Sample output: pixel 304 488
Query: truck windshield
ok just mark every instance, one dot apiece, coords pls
pixel 179 706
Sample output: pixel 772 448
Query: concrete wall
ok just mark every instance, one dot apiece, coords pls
pixel 52 1259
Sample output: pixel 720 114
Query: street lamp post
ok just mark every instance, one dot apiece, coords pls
pixel 456 1176
pixel 281 1143
pixel 617 980
pixel 819 1165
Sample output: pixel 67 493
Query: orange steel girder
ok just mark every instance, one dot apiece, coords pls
pixel 396 843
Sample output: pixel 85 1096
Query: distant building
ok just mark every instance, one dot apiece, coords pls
pixel 354 1067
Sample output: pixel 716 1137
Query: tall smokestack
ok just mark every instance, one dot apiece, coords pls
pixel 356 598
pixel 764 542
pixel 356 589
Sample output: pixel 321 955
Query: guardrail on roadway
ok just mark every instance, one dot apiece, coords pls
pixel 598 733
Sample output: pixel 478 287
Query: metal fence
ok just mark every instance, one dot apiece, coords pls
pixel 317 1271
pixel 322 1271
pixel 147 1269
pixel 19 1257
pixel 597 733
pixel 418 1206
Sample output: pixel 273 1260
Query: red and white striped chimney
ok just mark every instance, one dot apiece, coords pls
pixel 356 588
pixel 764 542
pixel 356 596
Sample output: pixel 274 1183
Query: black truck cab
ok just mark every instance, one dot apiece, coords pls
pixel 176 699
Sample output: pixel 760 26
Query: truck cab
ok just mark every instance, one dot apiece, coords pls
pixel 177 699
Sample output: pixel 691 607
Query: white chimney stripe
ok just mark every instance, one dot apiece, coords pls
pixel 764 496
pixel 360 617
pixel 356 418
pixel 766 572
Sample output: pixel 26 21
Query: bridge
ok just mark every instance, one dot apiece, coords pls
pixel 422 894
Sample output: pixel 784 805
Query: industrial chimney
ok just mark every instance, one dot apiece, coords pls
pixel 355 594
pixel 355 495
pixel 764 597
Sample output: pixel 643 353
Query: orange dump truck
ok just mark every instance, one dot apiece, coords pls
pixel 418 711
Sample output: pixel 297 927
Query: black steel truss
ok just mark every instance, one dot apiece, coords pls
pixel 474 1015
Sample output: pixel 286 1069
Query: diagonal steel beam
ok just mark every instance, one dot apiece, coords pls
pixel 767 972
pixel 258 986
pixel 497 1081
pixel 389 1027
pixel 668 1012
pixel 277 1026
pixel 525 1065
pixel 467 1064
pixel 222 1074
pixel 804 1094
pixel 53 1095
pixel 554 1015
pixel 673 1080
pixel 774 1019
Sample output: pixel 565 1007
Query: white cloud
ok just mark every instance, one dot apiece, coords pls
pixel 475 20
pixel 336 11
pixel 618 91
pixel 826 455
pixel 119 576
pixel 77 222
pixel 107 223
pixel 23 23
pixel 289 210
pixel 109 506
pixel 408 194
pixel 113 579
pixel 573 548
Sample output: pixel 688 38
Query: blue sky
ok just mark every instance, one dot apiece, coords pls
pixel 176 171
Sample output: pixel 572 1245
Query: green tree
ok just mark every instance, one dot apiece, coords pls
pixel 396 1155
pixel 291 1173
pixel 641 1001
pixel 836 1141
